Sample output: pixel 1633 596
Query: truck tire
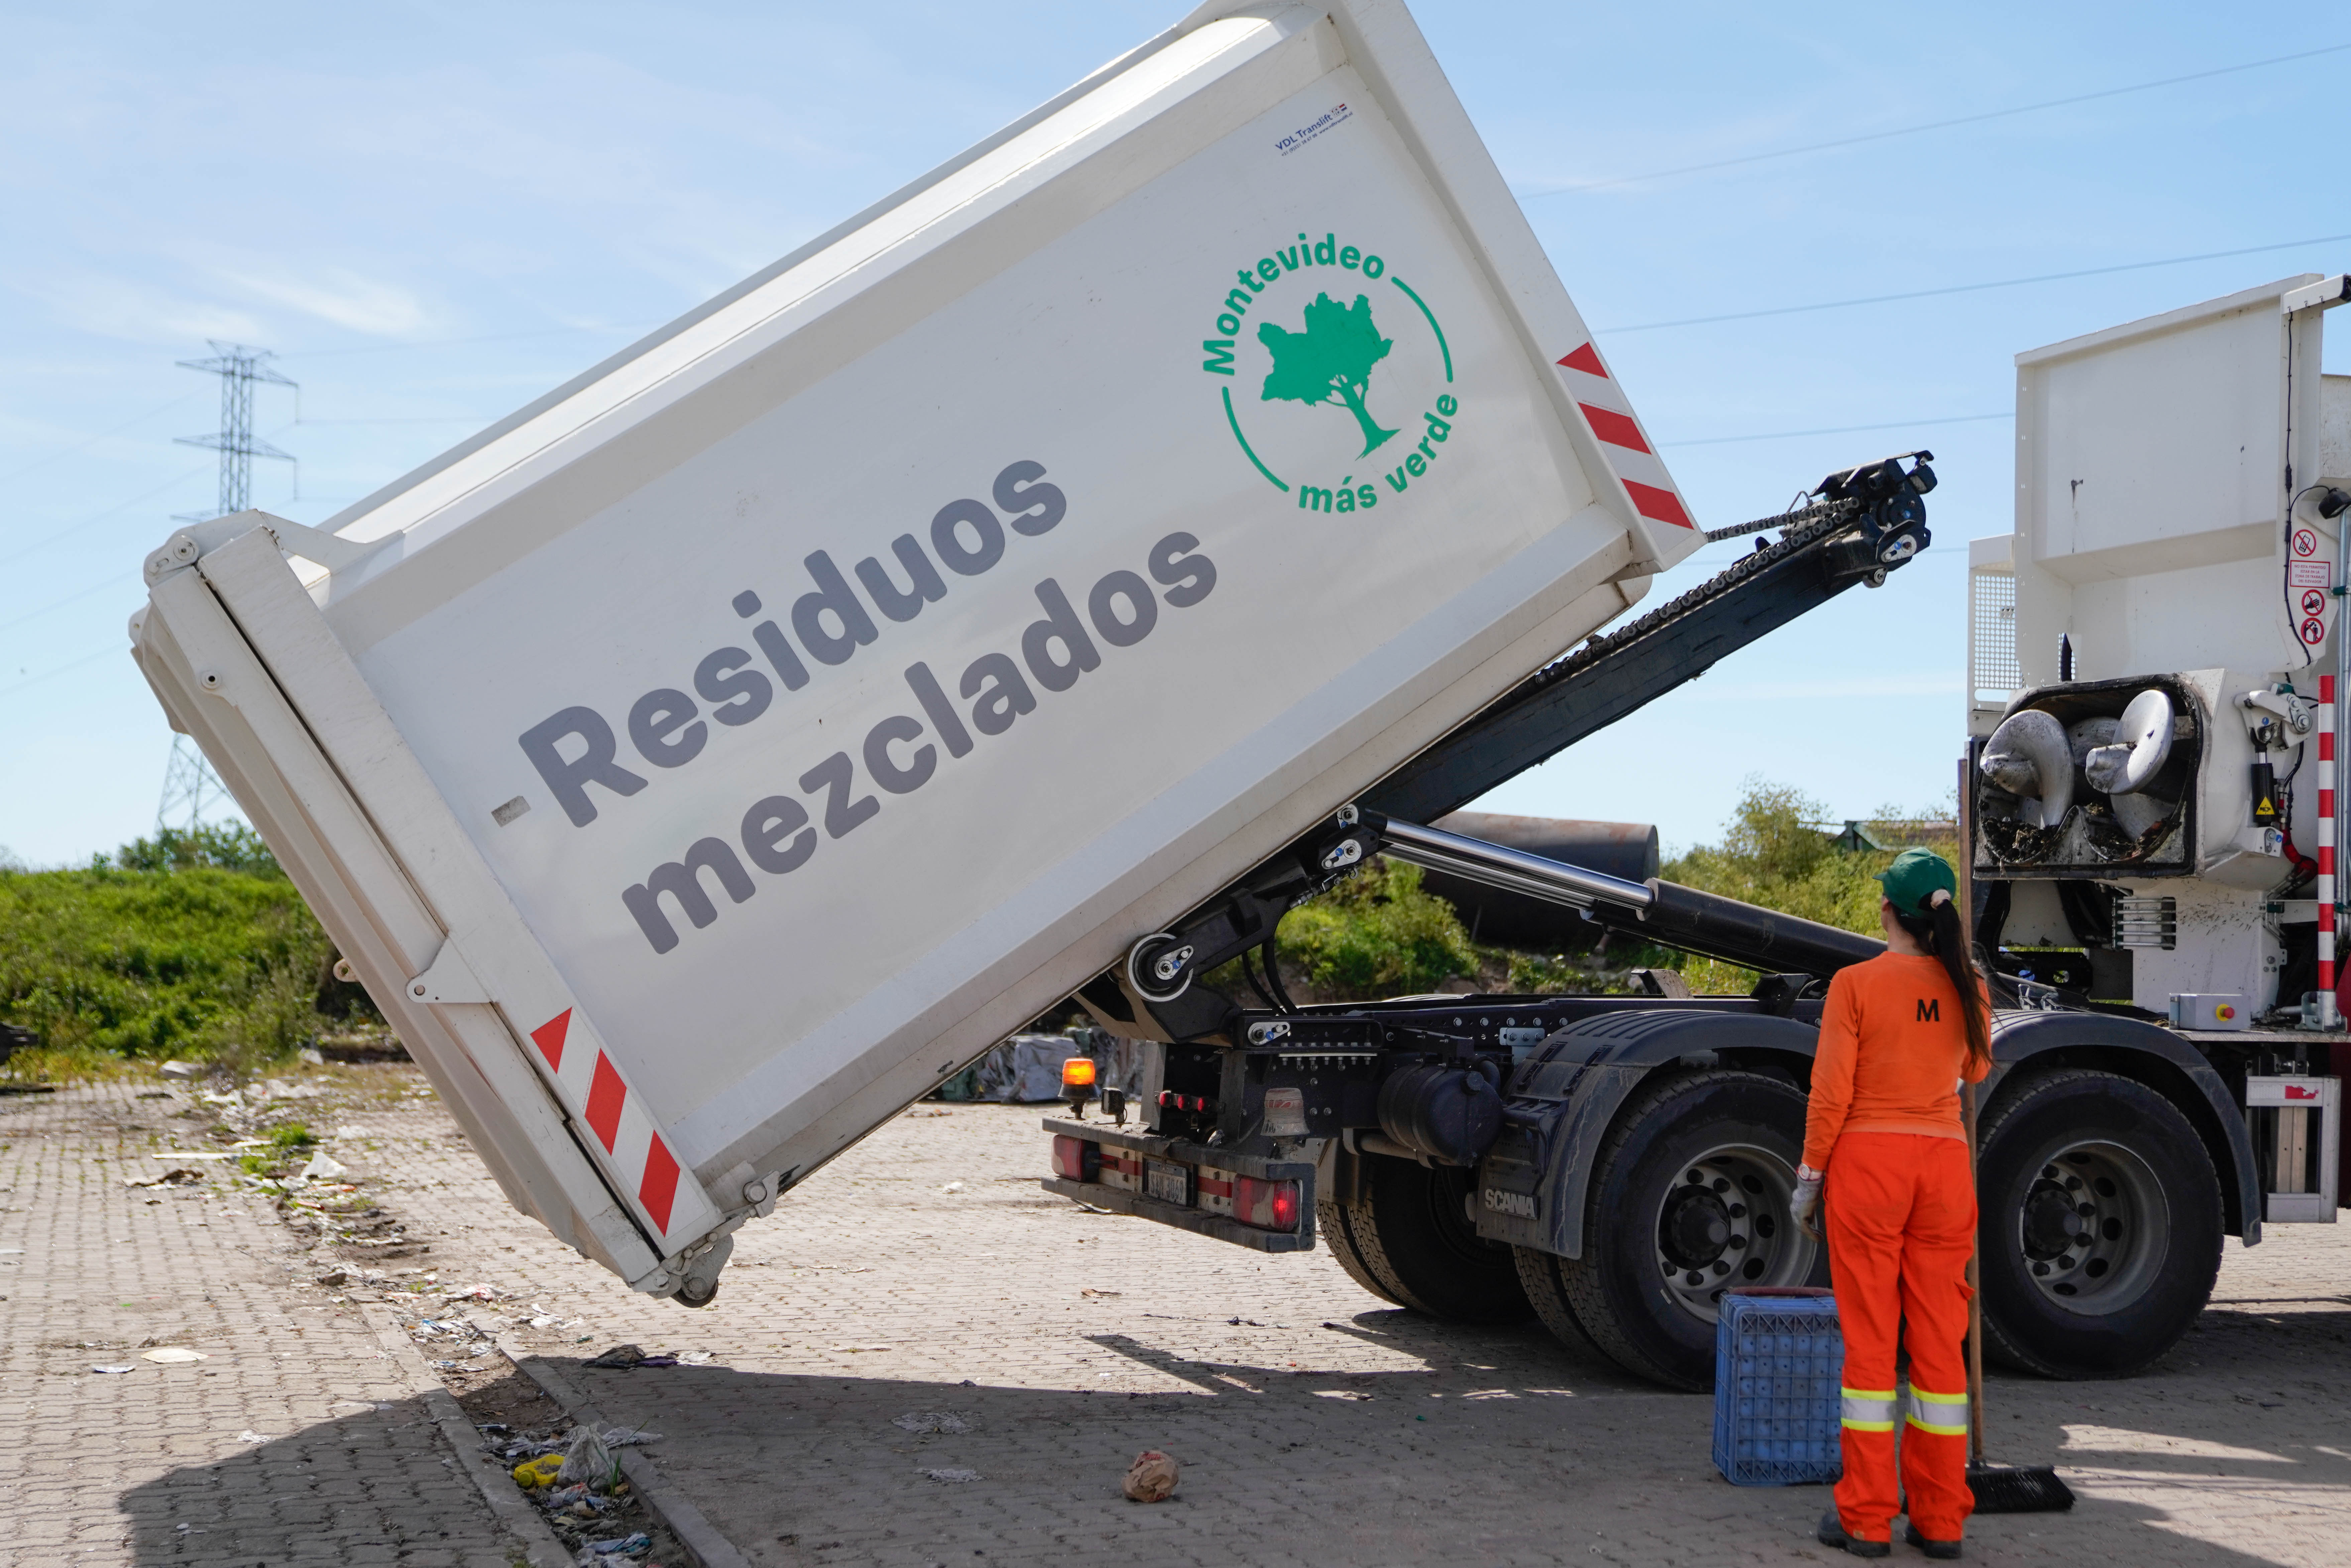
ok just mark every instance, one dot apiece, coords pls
pixel 1335 1221
pixel 1412 1233
pixel 1688 1197
pixel 2100 1225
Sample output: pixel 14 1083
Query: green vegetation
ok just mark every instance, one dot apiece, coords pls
pixel 1377 934
pixel 292 1136
pixel 186 944
pixel 1775 852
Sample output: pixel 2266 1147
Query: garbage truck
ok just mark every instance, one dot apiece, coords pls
pixel 1030 588
pixel 2153 667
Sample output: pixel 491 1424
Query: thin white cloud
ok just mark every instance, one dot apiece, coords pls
pixel 138 312
pixel 340 295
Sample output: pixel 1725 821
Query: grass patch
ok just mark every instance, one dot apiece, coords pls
pixel 186 944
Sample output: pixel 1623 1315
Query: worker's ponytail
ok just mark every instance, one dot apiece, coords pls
pixel 1940 932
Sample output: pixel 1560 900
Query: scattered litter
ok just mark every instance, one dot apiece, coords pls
pixel 1340 1393
pixel 174 1352
pixel 110 1369
pixel 334 1277
pixel 693 1358
pixel 855 1349
pixel 585 1459
pixel 629 1436
pixel 542 1471
pixel 544 1321
pixel 324 1166
pixel 1100 1295
pixel 620 1358
pixel 1152 1476
pixel 921 1421
pixel 250 1436
pixel 952 1187
pixel 181 1070
pixel 311 1054
pixel 953 1478
pixel 178 1176
pixel 624 1546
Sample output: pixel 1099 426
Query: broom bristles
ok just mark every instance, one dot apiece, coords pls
pixel 2019 1489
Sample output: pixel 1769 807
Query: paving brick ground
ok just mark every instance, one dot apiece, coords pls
pixel 925 1273
pixel 295 1441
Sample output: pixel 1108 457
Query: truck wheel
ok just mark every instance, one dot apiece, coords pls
pixel 1335 1222
pixel 2100 1226
pixel 1688 1197
pixel 1412 1232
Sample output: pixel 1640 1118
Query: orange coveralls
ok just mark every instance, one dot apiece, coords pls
pixel 1900 1206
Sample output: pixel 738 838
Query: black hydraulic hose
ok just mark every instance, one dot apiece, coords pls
pixel 1271 952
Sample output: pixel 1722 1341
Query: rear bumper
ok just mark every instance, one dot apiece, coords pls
pixel 1119 1200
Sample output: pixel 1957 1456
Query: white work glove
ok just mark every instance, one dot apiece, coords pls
pixel 1805 1208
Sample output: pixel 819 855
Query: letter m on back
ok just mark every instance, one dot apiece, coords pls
pixel 1221 356
pixel 1931 1010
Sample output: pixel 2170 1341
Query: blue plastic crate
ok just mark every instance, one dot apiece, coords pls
pixel 1779 1363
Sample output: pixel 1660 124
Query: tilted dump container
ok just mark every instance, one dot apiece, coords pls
pixel 705 762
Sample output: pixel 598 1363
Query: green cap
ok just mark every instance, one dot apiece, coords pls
pixel 1913 878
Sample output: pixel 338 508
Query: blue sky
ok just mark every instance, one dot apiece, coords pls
pixel 433 213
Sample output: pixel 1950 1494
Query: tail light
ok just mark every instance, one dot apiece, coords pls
pixel 1266 1204
pixel 1080 1159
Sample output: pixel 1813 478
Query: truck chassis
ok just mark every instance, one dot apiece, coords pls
pixel 1612 1165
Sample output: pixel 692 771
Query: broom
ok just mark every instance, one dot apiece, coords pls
pixel 1999 1488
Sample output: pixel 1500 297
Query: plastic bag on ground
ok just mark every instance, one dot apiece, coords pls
pixel 620 1358
pixel 585 1459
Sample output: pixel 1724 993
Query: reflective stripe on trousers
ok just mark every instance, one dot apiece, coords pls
pixel 1944 1415
pixel 1868 1409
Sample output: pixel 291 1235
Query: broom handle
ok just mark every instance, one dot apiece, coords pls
pixel 1966 868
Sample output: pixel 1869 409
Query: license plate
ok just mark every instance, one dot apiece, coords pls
pixel 1168 1182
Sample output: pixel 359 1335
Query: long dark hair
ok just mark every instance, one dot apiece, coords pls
pixel 1940 933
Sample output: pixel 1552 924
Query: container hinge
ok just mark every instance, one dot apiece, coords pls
pixel 333 551
pixel 448 978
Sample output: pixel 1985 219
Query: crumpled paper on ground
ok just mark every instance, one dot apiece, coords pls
pixel 1152 1476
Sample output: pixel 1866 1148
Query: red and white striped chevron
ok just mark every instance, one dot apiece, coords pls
pixel 667 1199
pixel 1610 415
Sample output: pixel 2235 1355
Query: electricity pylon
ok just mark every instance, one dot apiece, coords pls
pixel 190 785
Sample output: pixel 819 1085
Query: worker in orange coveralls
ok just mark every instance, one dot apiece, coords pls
pixel 1898 1034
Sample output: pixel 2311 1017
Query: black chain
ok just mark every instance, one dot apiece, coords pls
pixel 1802 527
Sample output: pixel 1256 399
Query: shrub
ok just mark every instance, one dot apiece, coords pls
pixel 190 945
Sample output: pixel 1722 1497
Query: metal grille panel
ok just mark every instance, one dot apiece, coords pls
pixel 1994 674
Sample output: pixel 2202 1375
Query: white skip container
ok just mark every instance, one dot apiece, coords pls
pixel 703 763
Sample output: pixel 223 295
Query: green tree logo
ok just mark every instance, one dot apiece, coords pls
pixel 1333 358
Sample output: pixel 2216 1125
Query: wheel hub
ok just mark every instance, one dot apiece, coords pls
pixel 1724 1222
pixel 2091 1225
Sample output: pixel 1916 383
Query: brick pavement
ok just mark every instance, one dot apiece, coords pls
pixel 297 1441
pixel 924 1272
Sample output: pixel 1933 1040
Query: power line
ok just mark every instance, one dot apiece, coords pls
pixel 1930 125
pixel 86 446
pixel 1974 287
pixel 462 342
pixel 68 599
pixel 86 659
pixel 71 528
pixel 1838 430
